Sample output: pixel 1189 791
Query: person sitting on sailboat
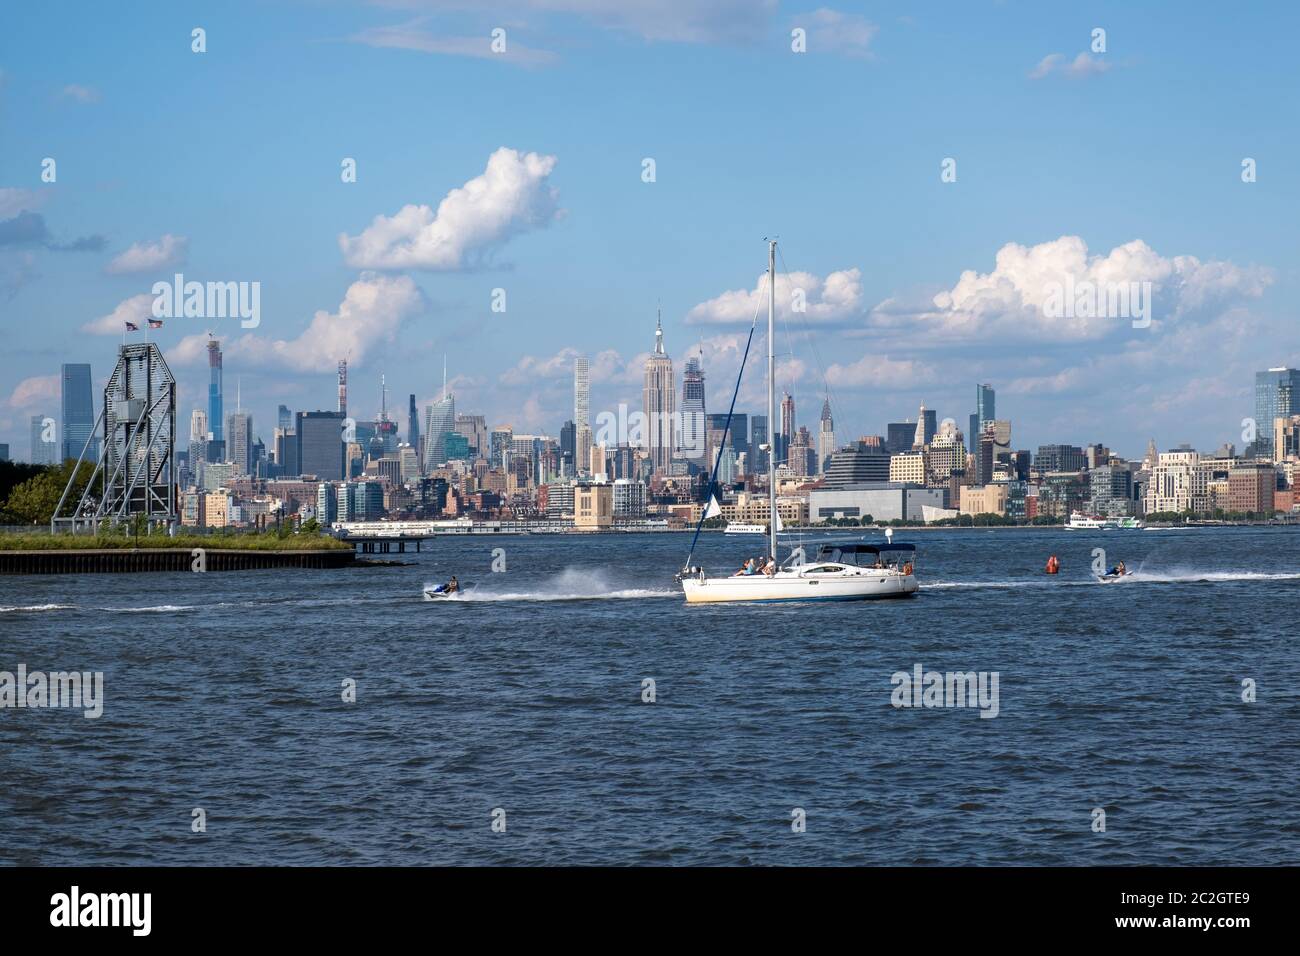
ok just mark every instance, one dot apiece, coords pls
pixel 768 567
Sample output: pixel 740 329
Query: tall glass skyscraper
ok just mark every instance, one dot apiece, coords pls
pixel 78 412
pixel 1277 395
pixel 693 415
pixel 440 421
pixel 216 418
pixel 984 412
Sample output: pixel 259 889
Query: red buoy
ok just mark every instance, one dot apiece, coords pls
pixel 1053 565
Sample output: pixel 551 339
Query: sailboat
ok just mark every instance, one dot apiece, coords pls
pixel 838 572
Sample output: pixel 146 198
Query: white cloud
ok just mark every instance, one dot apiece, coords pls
pixel 412 35
pixel 1085 64
pixel 82 94
pixel 1011 299
pixel 831 31
pixel 604 368
pixel 879 371
pixel 164 253
pixel 372 311
pixel 35 394
pixel 835 299
pixel 14 200
pixel 137 309
pixel 510 197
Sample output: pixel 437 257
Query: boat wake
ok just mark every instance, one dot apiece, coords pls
pixel 570 585
pixel 1172 576
pixel 10 609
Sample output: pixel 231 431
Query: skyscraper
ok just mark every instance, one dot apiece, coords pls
pixel 825 437
pixel 1277 395
pixel 581 413
pixel 758 436
pixel 239 442
pixel 693 413
pixel 284 418
pixel 659 399
pixel 984 412
pixel 919 439
pixel 215 412
pixel 79 413
pixel 413 427
pixel 319 443
pixel 439 422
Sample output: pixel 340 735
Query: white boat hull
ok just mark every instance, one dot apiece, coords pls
pixel 849 585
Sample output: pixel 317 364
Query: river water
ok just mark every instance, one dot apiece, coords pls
pixel 511 725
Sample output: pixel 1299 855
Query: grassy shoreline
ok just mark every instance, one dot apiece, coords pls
pixel 45 541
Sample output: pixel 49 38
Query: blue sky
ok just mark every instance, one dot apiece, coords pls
pixel 225 166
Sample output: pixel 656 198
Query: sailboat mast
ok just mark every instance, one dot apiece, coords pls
pixel 771 396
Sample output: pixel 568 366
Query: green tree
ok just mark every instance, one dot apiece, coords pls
pixel 34 500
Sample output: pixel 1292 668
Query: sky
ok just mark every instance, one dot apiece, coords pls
pixel 934 171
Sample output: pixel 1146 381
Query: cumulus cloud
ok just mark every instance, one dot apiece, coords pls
pixel 137 309
pixel 879 371
pixel 150 256
pixel 830 31
pixel 372 311
pixel 512 196
pixel 34 394
pixel 604 368
pixel 1018 297
pixel 837 298
pixel 1085 64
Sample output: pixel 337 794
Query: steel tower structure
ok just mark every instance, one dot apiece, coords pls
pixel 134 468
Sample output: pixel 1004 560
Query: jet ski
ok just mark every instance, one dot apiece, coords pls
pixel 441 592
pixel 1111 577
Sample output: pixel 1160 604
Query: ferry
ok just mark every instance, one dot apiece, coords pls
pixel 735 527
pixel 1079 520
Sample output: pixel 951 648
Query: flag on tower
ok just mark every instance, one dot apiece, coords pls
pixel 132 327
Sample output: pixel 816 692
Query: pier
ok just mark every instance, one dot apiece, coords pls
pixel 130 560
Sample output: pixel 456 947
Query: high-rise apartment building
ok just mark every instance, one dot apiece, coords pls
pixel 318 440
pixel 693 444
pixel 1277 395
pixel 216 414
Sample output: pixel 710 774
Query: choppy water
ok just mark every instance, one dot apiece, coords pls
pixel 223 691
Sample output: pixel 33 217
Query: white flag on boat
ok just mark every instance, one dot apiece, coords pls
pixel 713 509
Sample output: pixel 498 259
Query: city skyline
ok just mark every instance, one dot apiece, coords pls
pixel 915 286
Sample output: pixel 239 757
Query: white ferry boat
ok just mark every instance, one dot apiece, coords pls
pixel 736 527
pixel 1079 520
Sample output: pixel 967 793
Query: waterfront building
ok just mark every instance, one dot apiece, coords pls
pixel 593 506
pixel 1250 488
pixel 629 498
pixel 556 499
pixel 1110 491
pixel 659 399
pixel 983 500
pixel 1277 395
pixel 879 500
pixel 1170 485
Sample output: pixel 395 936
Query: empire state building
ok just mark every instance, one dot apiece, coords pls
pixel 659 405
